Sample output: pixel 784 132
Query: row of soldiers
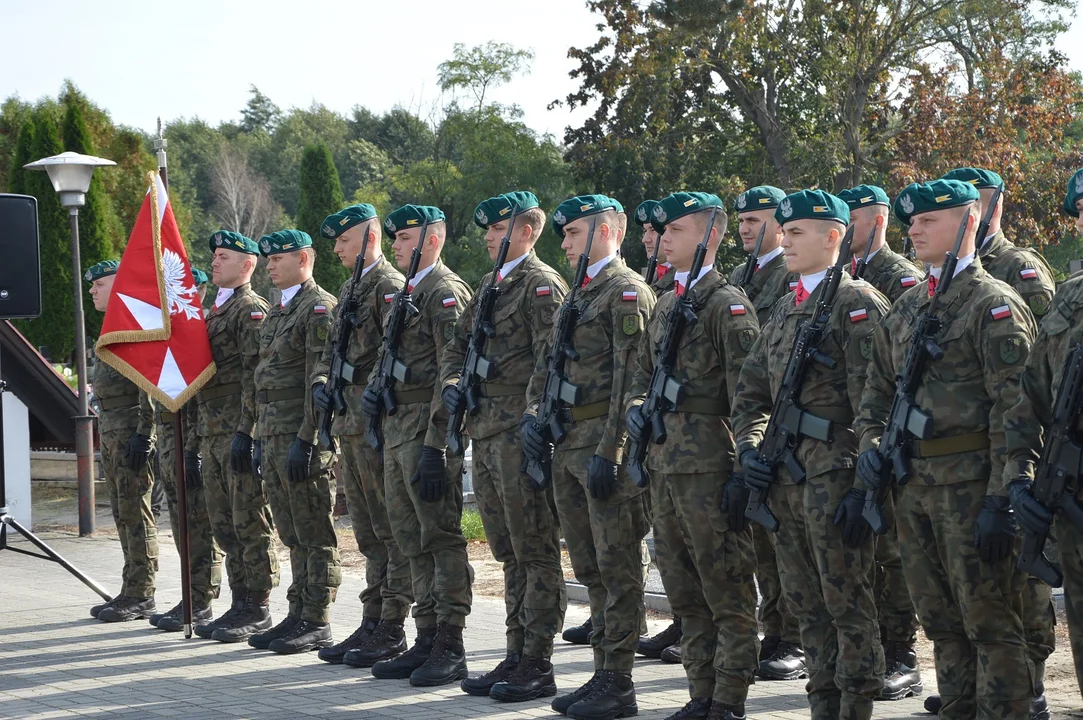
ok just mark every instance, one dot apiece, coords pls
pixel 551 423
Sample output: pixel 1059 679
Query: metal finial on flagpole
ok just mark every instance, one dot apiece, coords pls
pixel 160 144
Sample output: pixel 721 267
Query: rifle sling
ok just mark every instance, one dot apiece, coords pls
pixel 487 389
pixel 585 412
pixel 121 401
pixel 967 442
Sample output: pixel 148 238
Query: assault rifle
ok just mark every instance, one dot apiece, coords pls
pixel 392 369
pixel 558 392
pixel 753 259
pixel 476 367
pixel 652 262
pixel 789 423
pixel 342 373
pixel 859 269
pixel 1056 477
pixel 664 392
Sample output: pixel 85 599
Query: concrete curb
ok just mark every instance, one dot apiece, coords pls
pixel 654 601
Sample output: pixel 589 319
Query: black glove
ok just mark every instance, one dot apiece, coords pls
pixel 137 451
pixel 994 532
pixel 637 424
pixel 535 446
pixel 601 477
pixel 193 470
pixel 855 530
pixel 1029 513
pixel 240 453
pixel 453 399
pixel 871 470
pixel 431 473
pixel 734 502
pixel 321 399
pixel 371 404
pixel 299 460
pixel 257 458
pixel 758 474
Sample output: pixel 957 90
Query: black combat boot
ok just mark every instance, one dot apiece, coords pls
pixel 1039 707
pixel 562 703
pixel 671 655
pixel 306 635
pixel 933 703
pixel 174 622
pixel 787 662
pixel 263 640
pixel 533 678
pixel 153 619
pixel 902 678
pixel 240 598
pixel 385 642
pixel 253 616
pixel 580 634
pixel 127 609
pixel 720 711
pixel 95 609
pixel 401 666
pixel 652 647
pixel 335 653
pixel 768 646
pixel 480 685
pixel 694 709
pixel 613 696
pixel 447 659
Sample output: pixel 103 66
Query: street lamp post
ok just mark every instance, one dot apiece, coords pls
pixel 70 175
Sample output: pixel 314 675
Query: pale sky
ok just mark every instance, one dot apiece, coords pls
pixel 192 58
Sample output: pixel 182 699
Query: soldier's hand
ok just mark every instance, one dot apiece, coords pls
pixel 257 458
pixel 734 502
pixel 453 399
pixel 1029 513
pixel 299 460
pixel 240 453
pixel 321 399
pixel 871 470
pixel 535 446
pixel 601 477
pixel 637 424
pixel 431 474
pixel 137 451
pixel 758 474
pixel 193 470
pixel 370 402
pixel 994 532
pixel 855 530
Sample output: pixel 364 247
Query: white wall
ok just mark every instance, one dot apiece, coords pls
pixel 17 457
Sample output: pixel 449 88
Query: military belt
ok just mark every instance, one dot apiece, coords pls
pixel 968 442
pixel 280 395
pixel 220 391
pixel 498 390
pixel 411 397
pixel 118 402
pixel 165 417
pixel 703 406
pixel 585 412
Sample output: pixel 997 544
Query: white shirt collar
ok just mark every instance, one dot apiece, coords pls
pixel 223 295
pixel 811 282
pixel 962 264
pixel 510 265
pixel 985 240
pixel 288 294
pixel 872 254
pixel 764 259
pixel 593 270
pixel 374 264
pixel 421 275
pixel 682 277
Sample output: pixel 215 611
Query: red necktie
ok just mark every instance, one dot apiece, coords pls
pixel 499 277
pixel 410 287
pixel 661 272
pixel 757 268
pixel 801 294
pixel 853 266
pixel 586 280
pixel 932 285
pixel 679 290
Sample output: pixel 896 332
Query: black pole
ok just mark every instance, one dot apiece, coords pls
pixel 84 421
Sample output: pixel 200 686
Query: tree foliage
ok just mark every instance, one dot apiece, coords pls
pixel 321 195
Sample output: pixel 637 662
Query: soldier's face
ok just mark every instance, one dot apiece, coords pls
pixel 403 246
pixel 1079 218
pixel 934 234
pixel 749 224
pixel 100 290
pixel 348 245
pixel 650 239
pixel 680 239
pixel 575 240
pixel 285 269
pixel 863 221
pixel 809 246
pixel 228 267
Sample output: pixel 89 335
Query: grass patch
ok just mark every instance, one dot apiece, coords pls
pixel 472 527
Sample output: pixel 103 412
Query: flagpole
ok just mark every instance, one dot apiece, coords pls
pixel 178 453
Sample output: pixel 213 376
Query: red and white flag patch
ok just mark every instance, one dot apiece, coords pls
pixel 389 297
pixel 738 310
pixel 543 291
pixel 999 313
pixel 859 315
pixel 450 302
pixel 629 296
pixel 319 309
pixel 1028 274
pixel 908 281
pixel 256 315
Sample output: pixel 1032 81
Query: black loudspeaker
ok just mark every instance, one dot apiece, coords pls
pixel 20 266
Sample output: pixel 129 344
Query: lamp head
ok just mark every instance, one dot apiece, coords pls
pixel 70 174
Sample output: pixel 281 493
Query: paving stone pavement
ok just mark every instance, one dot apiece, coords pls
pixel 58 662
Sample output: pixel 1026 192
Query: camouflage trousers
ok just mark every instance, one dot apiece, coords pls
pixel 968 608
pixel 430 535
pixel 895 609
pixel 302 516
pixel 828 586
pixel 388 593
pixel 775 619
pixel 204 557
pixel 523 533
pixel 603 539
pixel 1070 544
pixel 1039 626
pixel 707 572
pixel 129 499
pixel 239 515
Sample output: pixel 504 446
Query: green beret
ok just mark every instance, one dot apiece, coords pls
pixel 979 178
pixel 617 206
pixel 935 195
pixel 864 196
pixel 1075 191
pixel 284 241
pixel 338 223
pixel 761 197
pixel 103 269
pixel 643 212
pixel 412 216
pixel 580 206
pixel 229 240
pixel 812 205
pixel 498 208
pixel 680 204
pixel 199 276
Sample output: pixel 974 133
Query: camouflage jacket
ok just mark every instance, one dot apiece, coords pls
pixel 614 309
pixel 227 404
pixel 1023 268
pixel 891 273
pixel 374 293
pixel 830 394
pixel 708 363
pixel 987 333
pixel 663 283
pixel 440 296
pixel 124 407
pixel 523 320
pixel 769 283
pixel 291 340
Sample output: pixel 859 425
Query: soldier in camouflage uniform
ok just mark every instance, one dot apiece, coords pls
pixel 237 506
pixel 781 656
pixel 387 596
pixel 892 274
pixel 603 514
pixel 423 489
pixel 520 521
pixel 126 427
pixel 296 474
pixel 825 549
pixel 956 532
pixel 706 566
